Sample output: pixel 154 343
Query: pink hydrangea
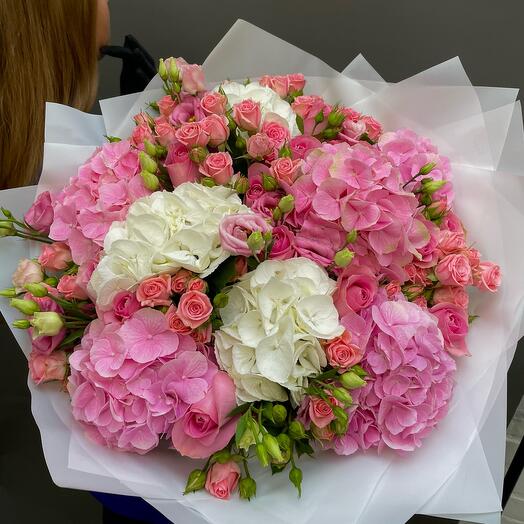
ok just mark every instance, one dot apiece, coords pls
pixel 410 380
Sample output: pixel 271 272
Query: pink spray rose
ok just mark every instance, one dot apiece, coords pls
pixel 192 134
pixel 452 294
pixel 320 412
pixel 451 242
pixel 192 77
pixel 154 291
pixel 373 128
pixel 213 103
pixel 259 145
pixel 125 304
pixel 27 272
pixel 180 280
pixel 488 276
pixel 454 270
pixel 285 170
pixel 247 115
pixel 276 129
pixel 44 368
pixel 218 166
pixel 55 256
pixel 206 428
pixel 453 323
pixel 194 308
pixel 69 287
pixel 165 132
pixel 301 145
pixel 179 166
pixel 175 322
pixel 234 231
pixel 217 129
pixel 283 244
pixel 40 214
pixel 222 479
pixel 356 290
pixel 166 105
pixel 296 82
pixel 341 353
pixel 279 84
pixel 197 284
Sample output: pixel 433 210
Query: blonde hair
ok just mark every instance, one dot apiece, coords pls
pixel 48 53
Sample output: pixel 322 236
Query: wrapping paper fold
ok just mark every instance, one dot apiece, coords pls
pixel 459 470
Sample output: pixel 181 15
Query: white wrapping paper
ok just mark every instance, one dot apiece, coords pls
pixel 458 472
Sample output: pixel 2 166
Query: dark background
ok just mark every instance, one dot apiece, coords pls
pixel 398 37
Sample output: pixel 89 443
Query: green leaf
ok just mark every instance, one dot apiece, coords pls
pixel 112 139
pixel 242 426
pixel 72 337
pixel 239 410
pixel 277 468
pixel 303 447
pixel 300 124
pixel 222 276
pixel 360 371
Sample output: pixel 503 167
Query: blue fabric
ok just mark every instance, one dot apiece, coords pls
pixel 131 508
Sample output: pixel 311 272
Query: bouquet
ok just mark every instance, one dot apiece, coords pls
pixel 253 275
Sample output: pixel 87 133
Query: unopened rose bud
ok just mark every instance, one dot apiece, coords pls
pixel 247 488
pixel 9 292
pixel 295 476
pixel 284 441
pixel 340 413
pixel 350 380
pixel 272 447
pixel 256 242
pixel 220 301
pixel 284 152
pixel 351 236
pixel 427 168
pixel 151 181
pixel 21 324
pixel 241 185
pixel 7 229
pixel 335 118
pixel 269 183
pixel 27 307
pixel 161 151
pixel 279 414
pixel 277 214
pixel 240 142
pixel 230 122
pixel 51 281
pixel 174 73
pixel 296 430
pixel 222 456
pixel 247 439
pixel 433 186
pixel 147 163
pixel 319 117
pixel 343 257
pixel 339 426
pixel 262 455
pixel 412 291
pixel 150 148
pixel 37 290
pixel 198 154
pixel 331 133
pixel 162 70
pixel 436 210
pixel 6 212
pixel 342 395
pixel 196 481
pixel 208 182
pixel 46 323
pixel 286 204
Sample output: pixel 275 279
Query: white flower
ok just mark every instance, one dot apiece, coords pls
pixel 273 322
pixel 268 99
pixel 162 233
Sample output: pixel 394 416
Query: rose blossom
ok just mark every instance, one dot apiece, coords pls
pixel 296 82
pixel 192 77
pixel 180 280
pixel 341 353
pixel 451 242
pixel 179 166
pixel 301 145
pixel 165 132
pixel 283 243
pixel 454 270
pixel 202 335
pixel 285 170
pixel 488 276
pixel 194 308
pixel 27 272
pixel 453 295
pixel 222 479
pixel 192 135
pixel 259 145
pixel 40 214
pixel 125 304
pixel 44 368
pixel 240 267
pixel 234 231
pixel 247 115
pixel 373 128
pixel 279 84
pixel 197 284
pixel 154 291
pixel 276 129
pixel 140 134
pixel 392 289
pixel 213 103
pixel 68 286
pixel 356 289
pixel 206 427
pixel 218 166
pixel 453 323
pixel 166 105
pixel 217 129
pixel 320 412
pixel 308 106
pixel 55 256
pixel 175 322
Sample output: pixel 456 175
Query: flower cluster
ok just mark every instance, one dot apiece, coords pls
pixel 254 272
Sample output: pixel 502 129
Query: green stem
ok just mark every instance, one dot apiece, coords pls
pixel 26 236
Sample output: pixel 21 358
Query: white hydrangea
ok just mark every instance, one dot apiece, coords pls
pixel 273 323
pixel 162 233
pixel 268 99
